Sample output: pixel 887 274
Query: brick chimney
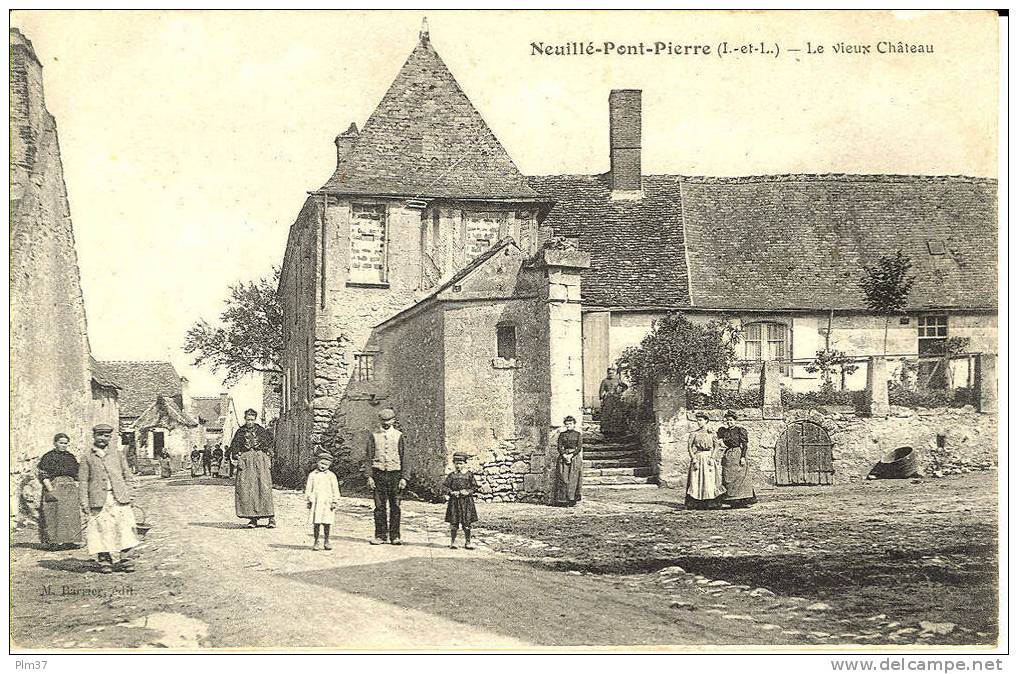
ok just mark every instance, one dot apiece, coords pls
pixel 345 141
pixel 624 133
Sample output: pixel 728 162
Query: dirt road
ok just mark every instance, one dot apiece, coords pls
pixel 205 581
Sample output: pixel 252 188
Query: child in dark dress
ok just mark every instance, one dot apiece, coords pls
pixel 460 487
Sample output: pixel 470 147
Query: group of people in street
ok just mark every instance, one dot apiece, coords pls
pixel 96 490
pixel 210 461
pixel 719 470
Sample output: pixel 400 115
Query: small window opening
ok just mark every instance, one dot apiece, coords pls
pixel 507 341
pixel 936 247
pixel 364 366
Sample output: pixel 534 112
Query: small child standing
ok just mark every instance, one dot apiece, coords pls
pixel 460 486
pixel 322 493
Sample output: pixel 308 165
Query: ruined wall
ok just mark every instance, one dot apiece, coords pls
pixel 947 436
pixel 49 352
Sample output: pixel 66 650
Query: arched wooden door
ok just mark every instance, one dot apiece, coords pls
pixel 803 454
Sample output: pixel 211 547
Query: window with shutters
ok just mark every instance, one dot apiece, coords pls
pixel 766 340
pixel 368 244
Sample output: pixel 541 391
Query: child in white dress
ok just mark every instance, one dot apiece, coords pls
pixel 322 493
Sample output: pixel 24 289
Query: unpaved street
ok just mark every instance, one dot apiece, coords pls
pixel 604 574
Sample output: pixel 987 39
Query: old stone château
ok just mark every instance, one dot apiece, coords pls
pixel 427 274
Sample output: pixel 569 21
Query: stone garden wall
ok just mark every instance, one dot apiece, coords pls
pixel 947 440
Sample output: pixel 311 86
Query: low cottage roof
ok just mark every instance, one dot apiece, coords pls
pixel 164 413
pixel 779 242
pixel 100 375
pixel 426 139
pixel 141 382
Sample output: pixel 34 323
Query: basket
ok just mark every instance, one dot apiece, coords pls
pixel 141 527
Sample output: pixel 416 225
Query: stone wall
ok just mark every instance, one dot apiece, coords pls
pixel 298 295
pixel 942 437
pixel 497 409
pixel 49 352
pixel 411 362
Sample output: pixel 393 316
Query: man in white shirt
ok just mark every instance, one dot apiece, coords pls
pixel 384 468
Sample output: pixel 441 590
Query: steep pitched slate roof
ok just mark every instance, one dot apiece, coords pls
pixel 141 382
pixel 426 139
pixel 637 258
pixel 778 242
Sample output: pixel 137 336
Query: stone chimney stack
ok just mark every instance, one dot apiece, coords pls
pixel 345 141
pixel 624 111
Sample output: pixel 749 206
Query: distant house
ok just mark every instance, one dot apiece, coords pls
pixel 155 410
pixel 219 417
pixel 163 428
pixel 105 397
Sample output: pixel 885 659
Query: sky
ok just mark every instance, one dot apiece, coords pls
pixel 190 138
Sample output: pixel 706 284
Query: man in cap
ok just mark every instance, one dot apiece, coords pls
pixel 104 480
pixel 253 446
pixel 384 469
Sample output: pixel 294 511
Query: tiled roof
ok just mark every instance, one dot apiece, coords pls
pixel 141 382
pixel 164 412
pixel 802 241
pixel 426 139
pixel 208 412
pixel 636 247
pixel 778 242
pixel 101 376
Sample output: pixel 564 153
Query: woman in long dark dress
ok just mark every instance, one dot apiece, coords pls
pixel 60 512
pixel 613 414
pixel 569 469
pixel 739 492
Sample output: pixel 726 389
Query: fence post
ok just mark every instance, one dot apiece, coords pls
pixel 986 382
pixel 671 430
pixel 770 390
pixel 877 403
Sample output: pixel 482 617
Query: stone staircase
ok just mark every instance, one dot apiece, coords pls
pixel 616 463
